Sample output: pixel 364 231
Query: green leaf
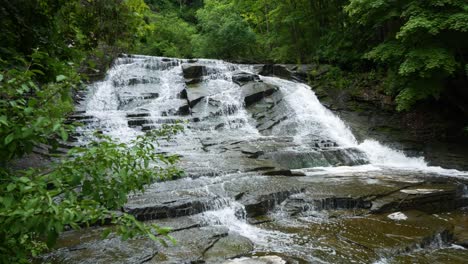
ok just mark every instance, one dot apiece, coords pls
pixel 11 187
pixel 60 78
pixel 56 127
pixel 1 77
pixel 38 72
pixel 106 233
pixel 9 138
pixel 4 120
pixel 63 134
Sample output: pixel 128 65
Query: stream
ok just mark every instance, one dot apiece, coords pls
pixel 271 175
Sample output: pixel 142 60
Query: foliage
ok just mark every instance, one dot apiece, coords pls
pixel 80 191
pixel 169 36
pixel 424 43
pixel 32 113
pixel 223 32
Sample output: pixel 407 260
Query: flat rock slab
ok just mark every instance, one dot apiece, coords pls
pixel 430 198
pixel 255 91
pixel 361 239
pixel 228 247
pixel 196 93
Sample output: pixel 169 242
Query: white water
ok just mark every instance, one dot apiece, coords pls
pixel 265 240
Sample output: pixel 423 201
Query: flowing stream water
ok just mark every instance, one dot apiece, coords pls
pixel 228 144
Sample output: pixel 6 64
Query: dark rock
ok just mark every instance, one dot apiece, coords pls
pixel 195 94
pixel 242 78
pixel 138 122
pixel 183 94
pixel 278 173
pixel 260 204
pixel 177 208
pixel 138 115
pixel 193 71
pixel 309 159
pixel 254 92
pixel 183 110
pixel 430 198
pixel 276 70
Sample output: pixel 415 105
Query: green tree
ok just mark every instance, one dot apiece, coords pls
pixel 223 32
pixel 169 36
pixel 422 44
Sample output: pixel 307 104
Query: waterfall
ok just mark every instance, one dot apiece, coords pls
pixel 243 140
pixel 152 85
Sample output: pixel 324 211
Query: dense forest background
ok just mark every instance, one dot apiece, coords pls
pixel 413 51
pixel 419 49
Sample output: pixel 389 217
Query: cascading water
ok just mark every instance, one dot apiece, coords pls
pixel 233 132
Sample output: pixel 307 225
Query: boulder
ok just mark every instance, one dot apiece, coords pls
pixel 196 94
pixel 276 70
pixel 227 247
pixel 193 71
pixel 241 78
pixel 255 91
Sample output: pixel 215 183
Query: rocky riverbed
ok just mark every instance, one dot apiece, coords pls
pixel 272 176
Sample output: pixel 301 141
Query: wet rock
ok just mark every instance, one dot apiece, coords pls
pixel 183 94
pixel 303 71
pixel 364 239
pixel 149 209
pixel 91 250
pixel 138 122
pixel 107 251
pixel 308 159
pixel 192 245
pixel 138 115
pixel 228 247
pixel 303 204
pixel 195 94
pixel 431 198
pixel 183 110
pixel 241 78
pixel 260 204
pixel 254 92
pixel 459 219
pixel 193 71
pixel 278 172
pixel 276 70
